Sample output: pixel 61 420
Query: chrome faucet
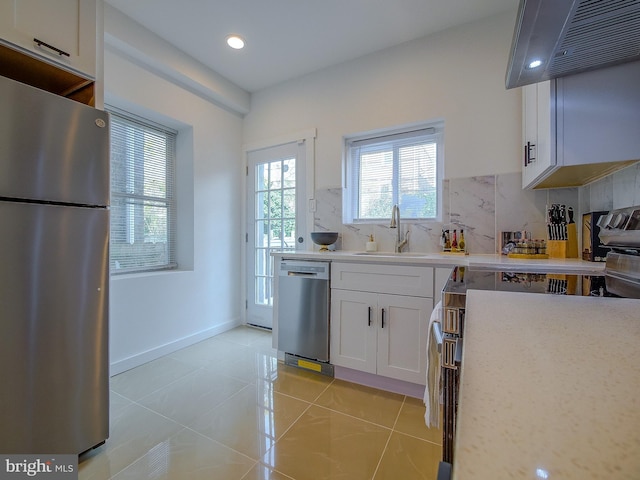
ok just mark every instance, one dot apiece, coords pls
pixel 395 223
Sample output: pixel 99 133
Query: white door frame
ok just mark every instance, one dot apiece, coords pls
pixel 308 136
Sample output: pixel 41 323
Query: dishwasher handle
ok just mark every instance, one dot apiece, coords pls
pixel 305 269
pixel 302 274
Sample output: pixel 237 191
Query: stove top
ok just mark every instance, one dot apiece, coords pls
pixel 462 279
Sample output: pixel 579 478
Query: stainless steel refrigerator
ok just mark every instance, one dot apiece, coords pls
pixel 54 241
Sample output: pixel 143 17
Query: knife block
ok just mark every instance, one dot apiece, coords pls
pixel 564 248
pixel 571 281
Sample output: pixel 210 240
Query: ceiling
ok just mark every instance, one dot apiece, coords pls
pixel 289 38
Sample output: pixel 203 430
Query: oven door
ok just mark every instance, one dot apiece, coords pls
pixel 622 275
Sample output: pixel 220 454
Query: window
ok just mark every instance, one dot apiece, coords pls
pixel 398 167
pixel 142 194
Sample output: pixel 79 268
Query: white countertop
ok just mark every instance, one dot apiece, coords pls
pixel 474 262
pixel 550 388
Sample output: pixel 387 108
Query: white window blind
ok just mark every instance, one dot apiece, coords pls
pixel 402 168
pixel 142 194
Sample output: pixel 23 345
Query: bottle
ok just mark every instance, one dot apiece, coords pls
pixel 454 242
pixel 461 244
pixel 447 242
pixel 371 245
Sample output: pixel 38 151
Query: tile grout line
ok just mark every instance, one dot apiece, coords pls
pixel 393 429
pixel 352 416
pixel 384 450
pixel 324 390
pixel 259 463
pixel 282 436
pixel 184 427
pixel 404 400
pixel 409 434
pixel 195 370
pixel 219 443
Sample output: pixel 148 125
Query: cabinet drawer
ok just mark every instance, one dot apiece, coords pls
pixel 394 279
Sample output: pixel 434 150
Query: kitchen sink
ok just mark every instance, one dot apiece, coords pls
pixel 392 254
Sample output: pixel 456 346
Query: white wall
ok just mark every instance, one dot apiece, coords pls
pixel 457 75
pixel 153 314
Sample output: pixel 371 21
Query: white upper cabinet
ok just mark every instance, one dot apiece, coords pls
pixel 538 126
pixel 66 28
pixel 599 116
pixel 579 128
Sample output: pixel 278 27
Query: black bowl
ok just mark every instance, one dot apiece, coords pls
pixel 324 239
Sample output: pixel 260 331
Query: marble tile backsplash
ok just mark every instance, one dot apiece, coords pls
pixel 481 206
pixel 618 190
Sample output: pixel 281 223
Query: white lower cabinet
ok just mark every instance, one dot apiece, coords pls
pixel 354 330
pixel 381 333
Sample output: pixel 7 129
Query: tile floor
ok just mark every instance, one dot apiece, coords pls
pixel 226 409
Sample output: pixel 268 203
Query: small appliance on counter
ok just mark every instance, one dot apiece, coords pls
pixel 593 250
pixel 620 231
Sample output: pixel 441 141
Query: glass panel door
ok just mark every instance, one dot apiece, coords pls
pixel 276 206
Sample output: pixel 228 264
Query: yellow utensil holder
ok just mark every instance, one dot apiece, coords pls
pixel 564 248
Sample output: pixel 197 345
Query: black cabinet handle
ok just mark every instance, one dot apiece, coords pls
pixel 369 316
pixel 527 153
pixel 40 43
pixel 383 318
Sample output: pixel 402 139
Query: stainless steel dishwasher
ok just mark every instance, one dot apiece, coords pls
pixel 303 312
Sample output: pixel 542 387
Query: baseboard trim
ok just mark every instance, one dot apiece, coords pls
pixel 152 354
pixel 382 383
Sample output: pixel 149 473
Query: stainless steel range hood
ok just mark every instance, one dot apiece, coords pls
pixel 572 36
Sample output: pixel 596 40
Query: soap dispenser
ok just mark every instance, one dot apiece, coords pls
pixel 371 246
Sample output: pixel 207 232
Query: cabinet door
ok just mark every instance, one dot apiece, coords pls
pixel 353 330
pixel 402 337
pixel 599 116
pixel 67 25
pixel 539 136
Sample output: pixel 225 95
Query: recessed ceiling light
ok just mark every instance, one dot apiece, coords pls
pixel 535 64
pixel 235 41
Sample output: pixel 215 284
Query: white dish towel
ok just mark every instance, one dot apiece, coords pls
pixel 432 390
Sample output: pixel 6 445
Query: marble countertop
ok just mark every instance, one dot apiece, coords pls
pixel 550 388
pixel 474 262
